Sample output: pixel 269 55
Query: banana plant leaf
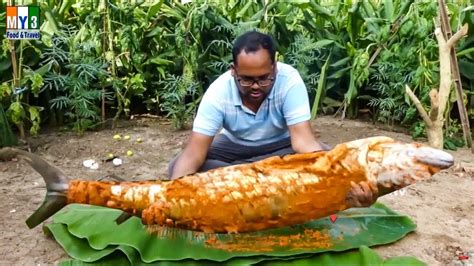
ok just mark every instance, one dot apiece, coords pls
pixel 90 233
pixel 83 254
pixel 364 256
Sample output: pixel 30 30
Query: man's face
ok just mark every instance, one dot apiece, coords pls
pixel 254 75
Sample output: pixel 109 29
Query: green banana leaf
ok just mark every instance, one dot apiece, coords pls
pixel 89 233
pixel 363 257
pixel 123 255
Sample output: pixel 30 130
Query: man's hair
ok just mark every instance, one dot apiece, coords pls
pixel 253 41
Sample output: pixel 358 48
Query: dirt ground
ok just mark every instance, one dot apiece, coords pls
pixel 442 207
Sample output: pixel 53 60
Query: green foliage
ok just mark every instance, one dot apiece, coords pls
pixel 173 93
pixel 389 84
pixel 6 135
pixel 411 59
pixel 160 56
pixel 453 138
pixel 418 130
pixel 304 54
pixel 72 80
pixel 131 241
pixel 13 90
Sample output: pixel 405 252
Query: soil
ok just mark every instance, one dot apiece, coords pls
pixel 441 207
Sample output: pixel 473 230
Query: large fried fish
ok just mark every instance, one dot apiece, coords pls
pixel 274 192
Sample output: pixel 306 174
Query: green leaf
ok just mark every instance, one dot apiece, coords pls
pixel 355 227
pixel 465 52
pixel 368 8
pixel 5 90
pixel 75 245
pixel 160 61
pixel 34 113
pixel 244 9
pixel 36 83
pixel 5 64
pixel 7 138
pixel 322 43
pixel 340 73
pixel 320 10
pixel 329 102
pixel 388 10
pixel 154 9
pixel 355 22
pixel 43 69
pixel 50 26
pixel 341 62
pixel 66 4
pixel 465 69
pixel 219 20
pixel 154 32
pixel 293 1
pixel 364 256
pixel 109 260
pixel 405 260
pixel 16 113
pixel 469 8
pixel 321 87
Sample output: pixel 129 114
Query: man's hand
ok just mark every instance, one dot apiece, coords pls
pixel 193 156
pixel 302 138
pixel 363 194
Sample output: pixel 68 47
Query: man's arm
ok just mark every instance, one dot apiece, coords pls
pixel 297 113
pixel 193 155
pixel 362 194
pixel 209 119
pixel 303 139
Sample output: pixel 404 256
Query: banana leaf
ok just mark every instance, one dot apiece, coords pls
pixel 364 256
pixel 124 255
pixel 90 233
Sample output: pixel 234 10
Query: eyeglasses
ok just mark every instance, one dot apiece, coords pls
pixel 260 82
pixel 246 82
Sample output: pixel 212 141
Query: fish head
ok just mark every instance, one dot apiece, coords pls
pixel 393 165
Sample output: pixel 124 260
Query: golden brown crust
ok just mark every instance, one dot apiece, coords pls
pixel 275 192
pixel 131 197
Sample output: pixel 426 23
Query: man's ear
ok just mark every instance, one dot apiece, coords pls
pixel 232 69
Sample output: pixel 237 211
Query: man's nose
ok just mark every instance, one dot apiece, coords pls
pixel 255 85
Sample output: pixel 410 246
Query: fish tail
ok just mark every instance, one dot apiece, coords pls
pixel 56 184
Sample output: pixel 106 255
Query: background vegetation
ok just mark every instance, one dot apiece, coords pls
pixel 99 60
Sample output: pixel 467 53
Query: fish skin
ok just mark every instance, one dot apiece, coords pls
pixel 274 192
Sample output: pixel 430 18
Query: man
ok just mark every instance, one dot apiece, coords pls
pixel 261 107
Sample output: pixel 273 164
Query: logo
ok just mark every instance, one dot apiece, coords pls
pixel 23 22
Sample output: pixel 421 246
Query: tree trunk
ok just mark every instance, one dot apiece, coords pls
pixel 439 98
pixel 435 135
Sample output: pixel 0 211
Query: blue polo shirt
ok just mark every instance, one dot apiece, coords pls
pixel 221 109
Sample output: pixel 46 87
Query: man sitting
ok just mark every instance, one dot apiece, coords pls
pixel 257 109
pixel 261 105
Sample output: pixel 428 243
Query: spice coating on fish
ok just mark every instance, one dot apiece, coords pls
pixel 274 192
